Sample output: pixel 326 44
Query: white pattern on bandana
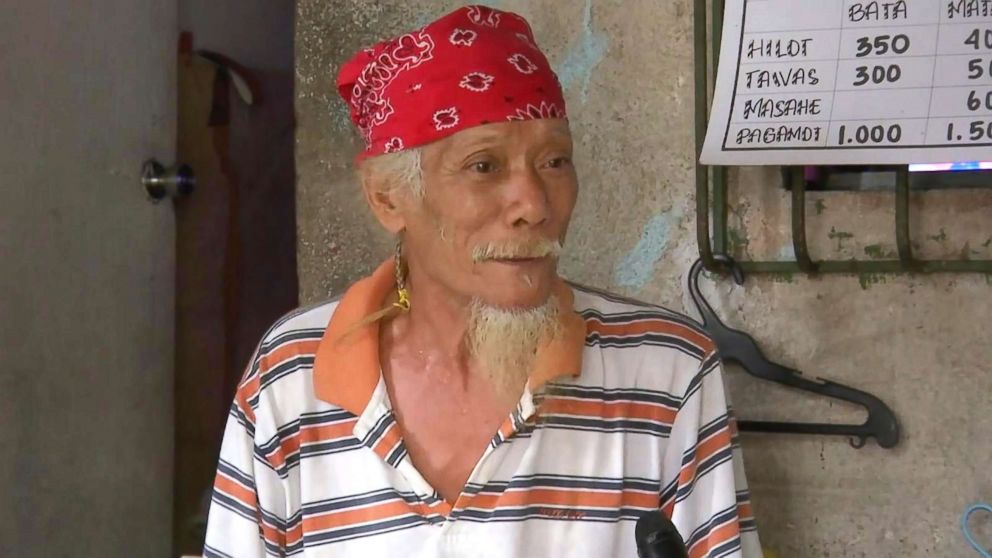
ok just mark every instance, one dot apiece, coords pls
pixel 522 63
pixel 476 81
pixel 534 112
pixel 446 118
pixel 464 37
pixel 410 51
pixel 481 15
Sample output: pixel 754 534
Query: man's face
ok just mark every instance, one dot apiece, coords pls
pixel 496 197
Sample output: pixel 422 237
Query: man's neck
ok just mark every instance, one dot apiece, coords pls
pixel 437 323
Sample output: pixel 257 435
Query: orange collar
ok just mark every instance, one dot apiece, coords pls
pixel 346 370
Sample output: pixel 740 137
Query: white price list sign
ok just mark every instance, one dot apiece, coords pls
pixel 844 82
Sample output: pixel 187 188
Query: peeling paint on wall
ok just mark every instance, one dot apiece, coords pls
pixel 637 267
pixel 585 54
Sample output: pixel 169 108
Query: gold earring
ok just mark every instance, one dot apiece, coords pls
pixel 402 293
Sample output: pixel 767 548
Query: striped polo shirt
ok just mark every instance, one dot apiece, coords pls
pixel 313 462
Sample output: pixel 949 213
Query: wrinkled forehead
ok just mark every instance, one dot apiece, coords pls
pixel 522 135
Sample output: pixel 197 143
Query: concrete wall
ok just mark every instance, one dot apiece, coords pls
pixel 919 343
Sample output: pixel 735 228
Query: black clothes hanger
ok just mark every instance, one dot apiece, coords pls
pixel 740 348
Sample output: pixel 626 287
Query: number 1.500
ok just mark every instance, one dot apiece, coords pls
pixel 977 130
pixel 870 134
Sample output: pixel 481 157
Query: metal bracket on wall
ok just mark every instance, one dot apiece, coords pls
pixel 793 179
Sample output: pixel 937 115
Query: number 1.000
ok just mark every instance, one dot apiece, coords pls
pixel 871 134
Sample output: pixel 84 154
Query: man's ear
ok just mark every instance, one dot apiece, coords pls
pixel 387 201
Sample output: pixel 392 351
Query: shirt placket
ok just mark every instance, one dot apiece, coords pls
pixel 485 470
pixel 378 430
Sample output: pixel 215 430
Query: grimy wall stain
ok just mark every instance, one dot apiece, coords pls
pixel 921 343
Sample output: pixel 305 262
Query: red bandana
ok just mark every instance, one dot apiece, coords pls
pixel 474 66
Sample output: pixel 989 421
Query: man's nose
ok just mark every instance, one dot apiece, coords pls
pixel 529 204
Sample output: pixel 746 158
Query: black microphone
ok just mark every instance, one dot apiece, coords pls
pixel 657 537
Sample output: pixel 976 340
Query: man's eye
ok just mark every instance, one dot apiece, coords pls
pixel 558 162
pixel 484 167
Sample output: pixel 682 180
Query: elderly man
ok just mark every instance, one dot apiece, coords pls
pixel 464 400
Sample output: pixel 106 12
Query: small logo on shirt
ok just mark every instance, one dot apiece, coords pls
pixel 558 513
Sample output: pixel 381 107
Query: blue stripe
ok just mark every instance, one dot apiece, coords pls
pixel 294 364
pixel 707 430
pixel 211 552
pixel 726 549
pixel 656 313
pixel 265 343
pixel 287 430
pixel 242 419
pixel 594 339
pixel 235 506
pixel 669 492
pixel 600 425
pixel 233 472
pixel 378 429
pixel 348 533
pixel 705 528
pixel 542 512
pixel 696 382
pixel 566 481
pixel 269 346
pixel 280 437
pixel 325 417
pixel 361 499
pixel 397 454
pixel 714 461
pixel 617 394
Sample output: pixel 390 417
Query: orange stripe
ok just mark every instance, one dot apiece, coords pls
pixel 612 410
pixel 641 327
pixel 309 435
pixel 555 497
pixel 669 508
pixel 284 352
pixel 236 490
pixel 388 441
pixel 345 518
pixel 249 389
pixel 245 392
pixel 286 448
pixel 744 512
pixel 273 535
pixel 294 534
pixel 326 432
pixel 716 537
pixel 507 429
pixel 704 450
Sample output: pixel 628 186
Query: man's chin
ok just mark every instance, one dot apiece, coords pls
pixel 516 299
pixel 505 339
pixel 516 291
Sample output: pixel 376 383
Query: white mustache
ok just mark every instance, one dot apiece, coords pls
pixel 516 249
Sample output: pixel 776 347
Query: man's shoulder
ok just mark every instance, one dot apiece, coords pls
pixel 591 301
pixel 303 322
pixel 285 353
pixel 632 323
